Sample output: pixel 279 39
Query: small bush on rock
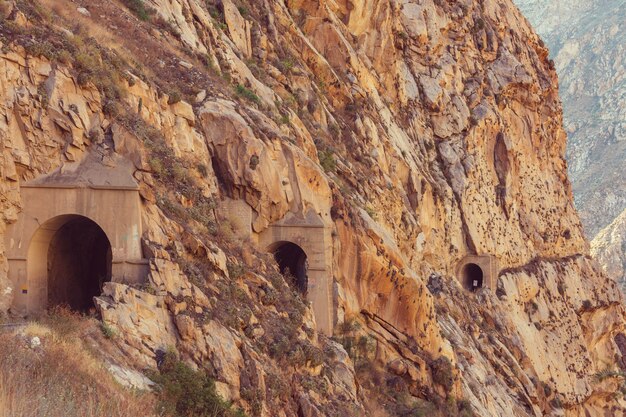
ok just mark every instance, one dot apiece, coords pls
pixel 442 373
pixel 188 393
pixel 138 8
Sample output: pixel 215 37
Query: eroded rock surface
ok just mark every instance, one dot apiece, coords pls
pixel 416 133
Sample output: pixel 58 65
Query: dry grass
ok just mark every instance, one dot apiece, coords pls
pixel 62 377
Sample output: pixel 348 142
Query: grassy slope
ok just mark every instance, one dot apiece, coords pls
pixel 65 367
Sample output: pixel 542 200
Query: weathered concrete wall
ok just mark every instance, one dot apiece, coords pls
pixel 46 209
pixel 239 214
pixel 310 234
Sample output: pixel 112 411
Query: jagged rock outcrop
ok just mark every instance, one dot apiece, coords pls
pixel 416 133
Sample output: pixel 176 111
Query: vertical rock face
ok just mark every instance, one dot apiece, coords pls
pixel 416 133
pixel 586 41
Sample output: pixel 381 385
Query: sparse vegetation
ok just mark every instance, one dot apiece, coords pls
pixel 286 65
pixel 284 119
pixel 174 97
pixel 370 212
pixel 62 367
pixel 185 392
pixel 442 373
pixel 174 174
pixel 247 94
pixel 203 170
pixel 235 269
pixel 107 331
pixel 90 62
pixel 139 9
pixel 254 162
pixel 243 11
pixel 43 96
pixel 327 160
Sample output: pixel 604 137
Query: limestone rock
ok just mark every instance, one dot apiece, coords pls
pixel 130 378
pixel 404 138
pixel 225 355
pixel 238 28
pixel 140 318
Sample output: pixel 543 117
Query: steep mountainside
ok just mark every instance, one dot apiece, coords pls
pixel 609 248
pixel 418 145
pixel 587 41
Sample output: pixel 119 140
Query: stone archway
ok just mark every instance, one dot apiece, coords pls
pixel 302 243
pixel 109 215
pixel 477 271
pixel 69 259
pixel 472 277
pixel 293 264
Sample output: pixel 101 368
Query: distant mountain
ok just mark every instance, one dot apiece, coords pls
pixel 587 41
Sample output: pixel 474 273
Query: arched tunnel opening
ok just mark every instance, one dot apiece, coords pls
pixel 472 277
pixel 292 262
pixel 79 263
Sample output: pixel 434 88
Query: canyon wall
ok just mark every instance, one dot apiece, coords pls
pixel 415 135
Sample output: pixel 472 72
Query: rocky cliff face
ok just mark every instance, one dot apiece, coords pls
pixel 416 133
pixel 609 248
pixel 586 40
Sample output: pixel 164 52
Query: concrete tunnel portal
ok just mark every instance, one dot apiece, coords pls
pixel 292 262
pixel 472 277
pixel 69 241
pixel 301 245
pixel 79 262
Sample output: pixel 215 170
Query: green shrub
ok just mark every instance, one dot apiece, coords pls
pixel 243 11
pixel 247 94
pixel 279 347
pixel 157 167
pixel 111 108
pixel 254 162
pixel 235 270
pixel 370 211
pixel 327 160
pixel 284 119
pixel 174 97
pixel 202 212
pixel 43 96
pixel 138 8
pixel 184 392
pixel 179 173
pixel 287 64
pixel 45 49
pixel 203 170
pixel 442 373
pixel 107 331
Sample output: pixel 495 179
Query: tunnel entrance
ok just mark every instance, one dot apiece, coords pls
pixel 292 261
pixel 472 277
pixel 79 262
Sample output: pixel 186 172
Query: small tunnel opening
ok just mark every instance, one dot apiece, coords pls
pixel 292 262
pixel 472 277
pixel 79 263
